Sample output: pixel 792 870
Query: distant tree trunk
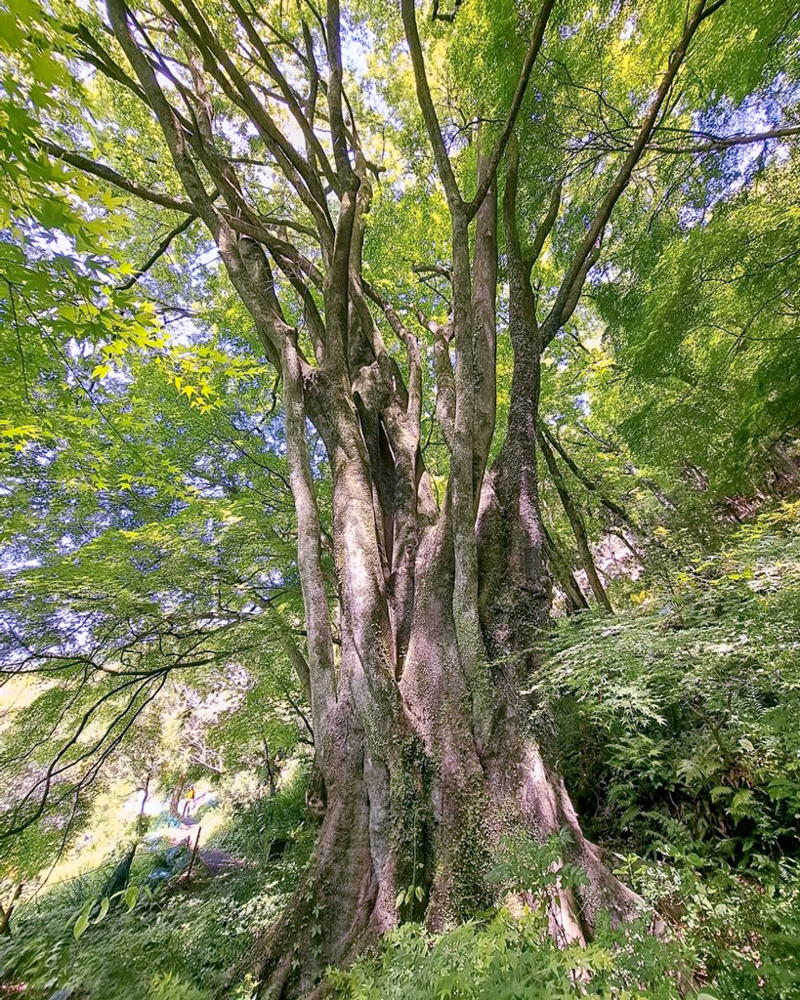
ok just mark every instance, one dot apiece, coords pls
pixel 618 512
pixel 269 768
pixel 141 821
pixel 577 525
pixel 5 912
pixel 145 792
pixel 563 574
pixel 175 800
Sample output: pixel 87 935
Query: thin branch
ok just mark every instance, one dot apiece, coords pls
pixel 522 85
pixel 438 269
pixel 576 275
pixel 716 143
pixel 162 248
pixel 113 177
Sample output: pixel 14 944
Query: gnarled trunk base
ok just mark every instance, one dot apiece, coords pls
pixel 346 902
pixel 419 802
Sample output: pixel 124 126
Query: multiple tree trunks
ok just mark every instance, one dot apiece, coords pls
pixel 426 755
pixel 423 781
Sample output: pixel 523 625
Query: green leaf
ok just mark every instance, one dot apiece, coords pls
pixel 83 919
pixel 104 905
pixel 46 70
pixel 11 34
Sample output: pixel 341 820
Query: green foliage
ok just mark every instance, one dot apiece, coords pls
pixel 689 704
pixel 169 941
pixel 679 744
pixel 538 869
pixel 740 925
pixel 703 326
pixel 513 958
pixel 256 822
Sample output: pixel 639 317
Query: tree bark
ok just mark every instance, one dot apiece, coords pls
pixel 429 745
pixel 175 798
pixel 7 911
pixel 423 781
pixel 432 757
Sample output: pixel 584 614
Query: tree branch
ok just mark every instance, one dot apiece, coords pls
pixel 113 177
pixel 576 275
pixel 162 248
pixel 724 142
pixel 443 163
pixel 522 85
pixel 544 227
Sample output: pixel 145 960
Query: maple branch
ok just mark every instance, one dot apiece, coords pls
pixel 724 142
pixel 575 277
pixel 106 173
pixel 162 248
pixel 516 102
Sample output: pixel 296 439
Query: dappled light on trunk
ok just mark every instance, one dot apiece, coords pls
pixel 396 212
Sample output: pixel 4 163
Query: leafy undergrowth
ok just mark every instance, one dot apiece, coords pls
pixel 508 957
pixel 178 942
pixel 735 938
pixel 680 745
pixel 678 721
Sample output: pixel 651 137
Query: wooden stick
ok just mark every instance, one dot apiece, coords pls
pixel 194 854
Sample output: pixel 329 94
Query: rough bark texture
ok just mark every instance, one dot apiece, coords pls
pixel 426 749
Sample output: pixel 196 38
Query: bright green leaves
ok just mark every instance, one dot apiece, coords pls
pixel 704 335
pixel 86 918
pixel 33 50
pixel 203 373
pixel 695 695
pixel 58 301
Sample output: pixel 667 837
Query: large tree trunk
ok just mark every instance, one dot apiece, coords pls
pixel 420 794
pixel 427 753
pixel 426 745
pixel 424 732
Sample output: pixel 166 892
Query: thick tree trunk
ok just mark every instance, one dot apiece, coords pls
pixel 426 747
pixel 420 794
pixel 427 826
